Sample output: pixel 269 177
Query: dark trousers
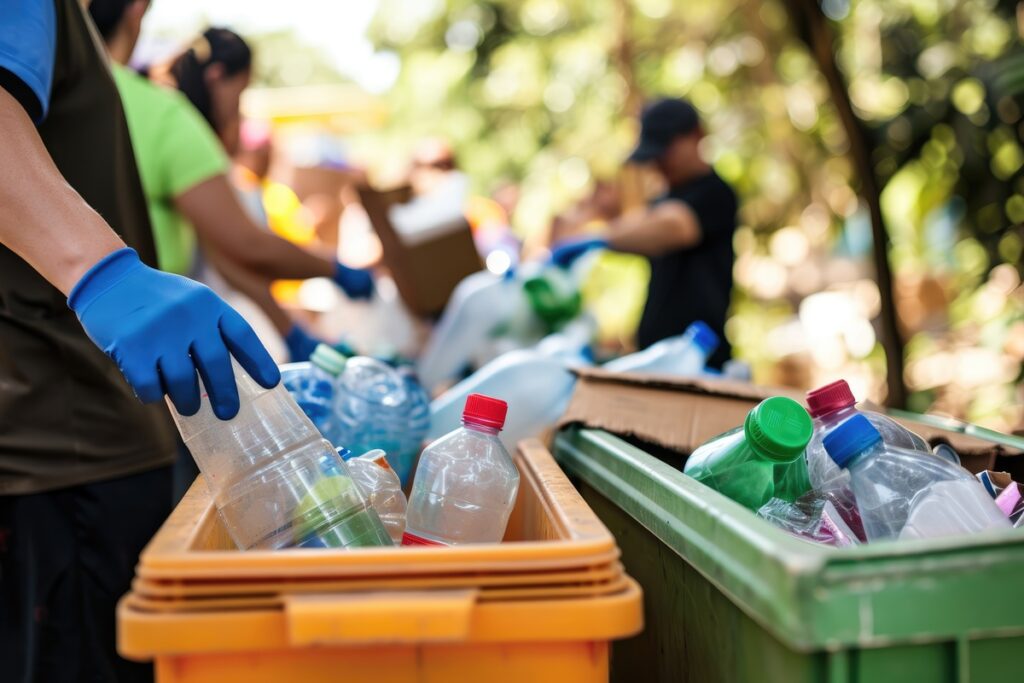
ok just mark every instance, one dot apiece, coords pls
pixel 66 557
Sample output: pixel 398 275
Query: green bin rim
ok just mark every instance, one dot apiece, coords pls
pixel 810 596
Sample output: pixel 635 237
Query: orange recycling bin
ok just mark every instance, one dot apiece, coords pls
pixel 543 605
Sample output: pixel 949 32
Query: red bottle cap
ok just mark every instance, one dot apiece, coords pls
pixel 485 411
pixel 830 398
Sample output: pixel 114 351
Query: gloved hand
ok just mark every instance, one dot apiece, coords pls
pixel 566 252
pixel 160 328
pixel 300 344
pixel 357 283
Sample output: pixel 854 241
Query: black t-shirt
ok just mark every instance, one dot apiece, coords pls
pixel 694 283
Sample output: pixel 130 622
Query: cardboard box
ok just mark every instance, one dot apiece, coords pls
pixel 425 271
pixel 671 416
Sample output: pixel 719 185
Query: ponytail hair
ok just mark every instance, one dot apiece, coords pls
pixel 215 46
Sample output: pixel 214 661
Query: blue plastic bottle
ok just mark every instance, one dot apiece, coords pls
pixel 311 384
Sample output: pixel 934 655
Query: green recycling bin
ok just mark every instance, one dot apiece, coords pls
pixel 728 598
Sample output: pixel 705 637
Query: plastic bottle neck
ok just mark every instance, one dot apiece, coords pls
pixel 476 427
pixel 837 416
pixel 864 455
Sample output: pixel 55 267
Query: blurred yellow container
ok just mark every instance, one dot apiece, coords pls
pixel 541 606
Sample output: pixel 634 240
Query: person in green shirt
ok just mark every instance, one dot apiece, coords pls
pixel 183 166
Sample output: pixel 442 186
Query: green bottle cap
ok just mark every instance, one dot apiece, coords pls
pixel 778 428
pixel 553 297
pixel 328 359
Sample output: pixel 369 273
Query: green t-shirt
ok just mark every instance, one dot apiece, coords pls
pixel 175 150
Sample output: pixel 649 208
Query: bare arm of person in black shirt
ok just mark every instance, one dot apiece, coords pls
pixel 39 206
pixel 665 227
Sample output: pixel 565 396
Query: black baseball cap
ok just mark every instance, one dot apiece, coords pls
pixel 660 124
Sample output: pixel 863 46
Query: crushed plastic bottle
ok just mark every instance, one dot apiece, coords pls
pixel 760 460
pixel 832 405
pixel 466 482
pixel 311 384
pixel 275 480
pixel 382 489
pixel 373 409
pixel 684 355
pixel 909 494
pixel 813 518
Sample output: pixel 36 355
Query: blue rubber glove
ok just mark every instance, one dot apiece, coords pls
pixel 300 344
pixel 357 283
pixel 160 328
pixel 566 252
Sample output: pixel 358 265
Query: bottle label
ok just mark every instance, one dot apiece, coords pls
pixel 413 539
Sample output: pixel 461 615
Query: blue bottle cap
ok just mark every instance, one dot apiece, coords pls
pixel 851 438
pixel 703 336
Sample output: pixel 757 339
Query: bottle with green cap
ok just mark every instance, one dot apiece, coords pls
pixel 760 460
pixel 311 384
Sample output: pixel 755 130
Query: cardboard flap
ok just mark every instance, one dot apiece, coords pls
pixel 681 413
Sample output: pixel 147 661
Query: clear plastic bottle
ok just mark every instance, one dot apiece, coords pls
pixel 275 480
pixel 466 482
pixel 760 460
pixel 311 384
pixel 909 494
pixel 684 355
pixel 832 405
pixel 537 386
pixel 382 489
pixel 371 408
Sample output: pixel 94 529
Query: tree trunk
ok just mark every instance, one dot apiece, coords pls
pixel 815 31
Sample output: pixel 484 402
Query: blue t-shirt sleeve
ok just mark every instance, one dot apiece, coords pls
pixel 28 47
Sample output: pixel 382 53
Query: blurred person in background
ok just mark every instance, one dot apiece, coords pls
pixel 182 145
pixel 250 167
pixel 686 233
pixel 87 328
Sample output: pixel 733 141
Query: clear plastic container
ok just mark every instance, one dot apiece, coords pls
pixel 275 480
pixel 762 459
pixel 381 487
pixel 536 386
pixel 466 482
pixel 479 304
pixel 830 406
pixel 371 407
pixel 909 494
pixel 311 384
pixel 684 355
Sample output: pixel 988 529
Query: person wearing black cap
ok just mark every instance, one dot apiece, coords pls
pixel 686 233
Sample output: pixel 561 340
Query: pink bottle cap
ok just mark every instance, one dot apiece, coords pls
pixel 830 398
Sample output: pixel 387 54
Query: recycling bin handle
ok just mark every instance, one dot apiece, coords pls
pixel 379 617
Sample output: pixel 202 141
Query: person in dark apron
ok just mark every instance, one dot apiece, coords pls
pixel 87 328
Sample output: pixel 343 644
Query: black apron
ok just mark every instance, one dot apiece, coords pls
pixel 67 416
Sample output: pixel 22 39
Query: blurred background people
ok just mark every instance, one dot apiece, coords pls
pixel 686 233
pixel 182 145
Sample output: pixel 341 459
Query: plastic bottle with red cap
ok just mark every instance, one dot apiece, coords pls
pixel 466 482
pixel 830 406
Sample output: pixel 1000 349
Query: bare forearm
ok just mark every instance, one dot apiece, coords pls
pixel 42 218
pixel 652 232
pixel 222 223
